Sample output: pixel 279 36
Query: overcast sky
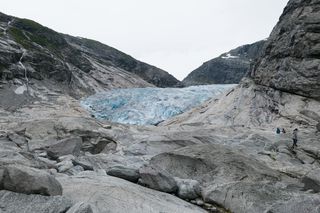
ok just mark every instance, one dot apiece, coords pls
pixel 175 35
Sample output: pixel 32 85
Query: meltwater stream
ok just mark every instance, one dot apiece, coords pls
pixel 143 106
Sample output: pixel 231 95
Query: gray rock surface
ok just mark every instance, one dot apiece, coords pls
pixel 114 195
pixel 188 189
pixel 28 180
pixel 80 207
pixel 11 202
pixel 290 61
pixel 125 173
pixel 158 179
pixel 228 68
pixel 65 147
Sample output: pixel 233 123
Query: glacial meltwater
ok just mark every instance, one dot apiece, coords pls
pixel 143 106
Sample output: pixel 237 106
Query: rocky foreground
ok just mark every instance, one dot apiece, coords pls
pixel 223 156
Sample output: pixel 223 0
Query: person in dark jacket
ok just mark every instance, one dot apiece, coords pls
pixel 295 138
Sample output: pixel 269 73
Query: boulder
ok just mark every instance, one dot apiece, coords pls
pixel 188 189
pixel 158 179
pixel 65 147
pixel 312 180
pixel 126 173
pixel 11 202
pixel 81 207
pixel 110 194
pixel 29 180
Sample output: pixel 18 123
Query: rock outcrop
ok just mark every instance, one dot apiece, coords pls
pixel 229 68
pixel 291 58
pixel 28 180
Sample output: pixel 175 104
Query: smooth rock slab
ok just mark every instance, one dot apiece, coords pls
pixel 11 202
pixel 113 195
pixel 29 180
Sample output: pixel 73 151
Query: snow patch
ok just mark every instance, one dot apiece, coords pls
pixel 143 106
pixel 228 56
pixel 20 90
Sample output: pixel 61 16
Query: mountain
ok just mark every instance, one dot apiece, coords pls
pixel 291 60
pixel 33 54
pixel 222 156
pixel 228 68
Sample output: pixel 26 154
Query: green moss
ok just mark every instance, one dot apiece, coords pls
pixel 36 33
pixel 29 25
pixel 19 37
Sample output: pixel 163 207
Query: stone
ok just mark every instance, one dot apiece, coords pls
pixel 158 179
pixel 312 181
pixel 75 170
pixel 17 139
pixel 80 207
pixel 110 194
pixel 64 147
pixel 188 189
pixel 29 180
pixel 64 166
pixel 126 173
pixel 12 202
pixel 83 164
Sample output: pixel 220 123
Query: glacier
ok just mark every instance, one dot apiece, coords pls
pixel 149 106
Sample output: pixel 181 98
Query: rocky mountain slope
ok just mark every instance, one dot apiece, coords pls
pixel 223 156
pixel 228 68
pixel 291 60
pixel 39 58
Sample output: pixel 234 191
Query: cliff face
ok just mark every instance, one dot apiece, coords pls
pixel 31 54
pixel 229 68
pixel 291 60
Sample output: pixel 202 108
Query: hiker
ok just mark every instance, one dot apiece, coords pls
pixel 295 138
pixel 283 131
pixel 278 130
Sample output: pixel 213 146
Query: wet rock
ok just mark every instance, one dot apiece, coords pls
pixel 28 180
pixel 125 173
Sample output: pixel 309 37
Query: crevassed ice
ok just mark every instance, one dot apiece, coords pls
pixel 143 106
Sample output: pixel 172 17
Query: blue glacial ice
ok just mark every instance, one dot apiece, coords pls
pixel 143 106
